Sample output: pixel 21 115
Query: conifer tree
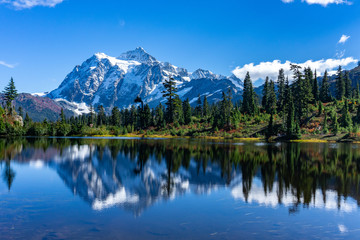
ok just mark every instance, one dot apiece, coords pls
pixel 27 120
pixel 101 118
pixel 271 104
pixel 290 123
pixel 340 84
pixel 281 103
pixel 198 108
pixel 115 116
pixel 315 88
pixel 159 116
pixel 10 93
pixel 357 118
pixel 170 94
pixel 320 108
pixel 148 119
pixel 348 87
pixel 21 112
pixel 265 92
pixel 335 129
pixel 303 91
pixel 206 108
pixel 187 111
pixel 62 116
pixel 356 91
pixel 248 104
pixel 346 118
pixel 325 89
pixel 325 127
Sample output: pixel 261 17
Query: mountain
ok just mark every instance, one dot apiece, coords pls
pixel 39 108
pixel 117 81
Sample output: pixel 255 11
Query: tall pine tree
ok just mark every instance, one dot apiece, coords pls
pixel 315 88
pixel 249 101
pixel 340 84
pixel 281 103
pixel 10 93
pixel 348 87
pixel 170 94
pixel 325 89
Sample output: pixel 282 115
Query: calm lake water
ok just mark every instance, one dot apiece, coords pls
pixel 177 189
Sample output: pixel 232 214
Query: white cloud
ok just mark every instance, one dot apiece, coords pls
pixel 7 64
pixel 23 4
pixel 271 69
pixel 321 2
pixel 326 2
pixel 344 38
pixel 342 228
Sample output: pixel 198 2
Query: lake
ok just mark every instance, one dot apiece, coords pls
pixel 88 188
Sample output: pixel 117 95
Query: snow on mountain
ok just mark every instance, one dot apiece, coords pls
pixel 200 74
pixel 109 81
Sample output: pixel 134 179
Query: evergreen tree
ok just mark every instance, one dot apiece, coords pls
pixel 348 87
pixel 115 117
pixel 27 120
pixel 271 104
pixel 178 111
pixel 357 118
pixel 101 118
pixel 340 84
pixel 290 123
pixel 170 94
pixel 21 112
pixel 325 89
pixel 187 111
pixel 281 91
pixel 320 108
pixel 315 89
pixel 198 109
pixel 62 116
pixel 249 103
pixel 356 91
pixel 346 118
pixel 303 91
pixel 206 108
pixel 148 119
pixel 325 127
pixel 226 109
pixel 265 92
pixel 10 93
pixel 335 129
pixel 159 116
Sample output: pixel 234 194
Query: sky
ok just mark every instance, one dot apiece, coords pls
pixel 41 41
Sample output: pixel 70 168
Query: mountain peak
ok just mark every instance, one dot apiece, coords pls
pixel 139 54
pixel 201 73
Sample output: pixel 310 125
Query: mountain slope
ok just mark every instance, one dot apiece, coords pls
pixel 39 108
pixel 109 81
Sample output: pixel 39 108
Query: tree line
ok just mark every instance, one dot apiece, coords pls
pixel 285 108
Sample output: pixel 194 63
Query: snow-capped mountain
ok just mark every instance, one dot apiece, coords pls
pixel 110 81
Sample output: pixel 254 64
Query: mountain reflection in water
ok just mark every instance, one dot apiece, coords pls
pixel 136 173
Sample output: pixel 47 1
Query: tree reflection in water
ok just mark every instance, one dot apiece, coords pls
pixel 114 171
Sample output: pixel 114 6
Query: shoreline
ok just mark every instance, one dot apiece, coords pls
pixel 313 139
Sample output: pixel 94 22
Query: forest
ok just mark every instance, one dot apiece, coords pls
pixel 306 108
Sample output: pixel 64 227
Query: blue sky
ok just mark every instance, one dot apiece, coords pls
pixel 42 40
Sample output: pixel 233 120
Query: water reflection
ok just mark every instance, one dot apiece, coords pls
pixel 134 174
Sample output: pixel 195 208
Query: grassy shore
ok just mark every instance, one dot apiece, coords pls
pixel 323 138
